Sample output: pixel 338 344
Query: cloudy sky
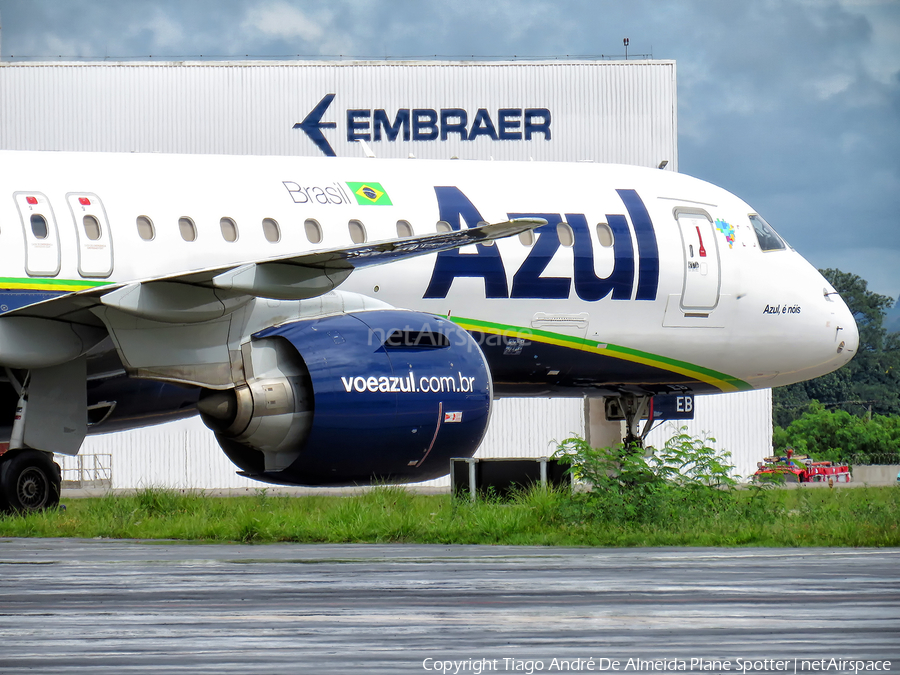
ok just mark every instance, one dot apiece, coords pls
pixel 792 104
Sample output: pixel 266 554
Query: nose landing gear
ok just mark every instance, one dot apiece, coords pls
pixel 631 408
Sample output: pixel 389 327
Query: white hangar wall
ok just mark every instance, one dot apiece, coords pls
pixel 623 112
pixel 185 454
pixel 740 423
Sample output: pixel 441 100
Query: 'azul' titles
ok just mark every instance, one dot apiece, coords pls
pixel 527 282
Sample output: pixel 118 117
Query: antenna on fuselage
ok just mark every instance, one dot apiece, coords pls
pixel 365 146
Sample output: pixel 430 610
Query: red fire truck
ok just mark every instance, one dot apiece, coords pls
pixel 801 469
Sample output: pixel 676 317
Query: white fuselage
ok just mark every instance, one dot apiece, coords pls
pixel 694 296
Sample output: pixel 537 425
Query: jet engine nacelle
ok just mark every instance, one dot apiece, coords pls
pixel 379 395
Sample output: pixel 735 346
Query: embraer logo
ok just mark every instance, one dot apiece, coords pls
pixel 428 124
pixel 312 125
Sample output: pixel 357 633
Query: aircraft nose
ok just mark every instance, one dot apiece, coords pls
pixel 846 332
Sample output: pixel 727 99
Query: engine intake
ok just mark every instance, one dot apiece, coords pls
pixel 381 395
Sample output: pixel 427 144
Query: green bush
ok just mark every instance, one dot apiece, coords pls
pixel 628 484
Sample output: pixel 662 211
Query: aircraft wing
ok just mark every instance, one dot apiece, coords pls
pixel 199 295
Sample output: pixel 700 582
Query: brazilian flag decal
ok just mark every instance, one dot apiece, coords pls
pixel 370 193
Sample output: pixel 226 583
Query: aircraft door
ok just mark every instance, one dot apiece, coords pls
pixel 95 252
pixel 701 255
pixel 41 236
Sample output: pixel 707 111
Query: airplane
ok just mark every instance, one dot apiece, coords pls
pixel 339 321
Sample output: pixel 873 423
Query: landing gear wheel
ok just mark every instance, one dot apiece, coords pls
pixel 29 481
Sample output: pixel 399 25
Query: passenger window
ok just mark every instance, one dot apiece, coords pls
pixel 526 238
pixel 565 234
pixel 404 229
pixel 357 232
pixel 229 229
pixel 605 235
pixel 443 226
pixel 313 231
pixel 145 228
pixel 187 228
pixel 271 230
pixel 39 226
pixel 766 236
pixel 91 228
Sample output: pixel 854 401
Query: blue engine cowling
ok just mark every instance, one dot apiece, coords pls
pixel 371 396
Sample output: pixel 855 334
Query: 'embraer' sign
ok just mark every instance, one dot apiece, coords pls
pixel 428 124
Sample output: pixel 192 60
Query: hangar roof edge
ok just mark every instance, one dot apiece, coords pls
pixel 251 63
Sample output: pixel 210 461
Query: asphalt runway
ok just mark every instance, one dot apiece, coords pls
pixel 76 606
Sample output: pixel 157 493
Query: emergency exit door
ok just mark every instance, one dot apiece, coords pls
pixel 702 274
pixel 41 237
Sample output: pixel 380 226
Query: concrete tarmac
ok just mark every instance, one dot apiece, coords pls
pixel 101 606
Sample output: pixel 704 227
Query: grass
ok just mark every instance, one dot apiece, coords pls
pixel 864 516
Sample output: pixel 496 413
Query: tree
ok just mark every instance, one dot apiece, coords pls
pixel 870 383
pixel 838 436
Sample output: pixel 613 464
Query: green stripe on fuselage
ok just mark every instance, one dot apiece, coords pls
pixel 721 381
pixel 38 284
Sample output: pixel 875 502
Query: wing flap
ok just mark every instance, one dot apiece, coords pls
pixel 281 281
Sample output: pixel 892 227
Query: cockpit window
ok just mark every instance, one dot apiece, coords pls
pixel 767 237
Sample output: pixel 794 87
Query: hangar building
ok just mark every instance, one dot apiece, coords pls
pixel 549 110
